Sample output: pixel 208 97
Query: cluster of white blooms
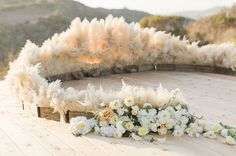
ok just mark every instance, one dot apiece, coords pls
pixel 229 133
pixel 127 118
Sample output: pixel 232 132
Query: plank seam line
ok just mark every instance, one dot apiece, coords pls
pixel 96 146
pixel 35 138
pixel 50 131
pixel 13 142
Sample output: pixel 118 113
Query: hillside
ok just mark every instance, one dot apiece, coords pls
pixel 217 28
pixel 20 11
pixel 170 24
pixel 38 20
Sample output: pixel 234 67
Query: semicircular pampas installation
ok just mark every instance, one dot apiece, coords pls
pixel 101 45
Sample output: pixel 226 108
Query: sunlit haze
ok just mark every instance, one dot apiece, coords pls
pixel 159 6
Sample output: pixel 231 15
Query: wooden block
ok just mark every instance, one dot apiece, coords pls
pixel 203 68
pixel 185 67
pixel 226 71
pixel 92 73
pixel 106 72
pixel 22 105
pixel 131 69
pixel 165 67
pixel 117 70
pixel 145 67
pixel 47 113
pixel 72 114
pixel 77 75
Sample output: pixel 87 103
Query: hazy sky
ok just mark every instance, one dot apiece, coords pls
pixel 159 6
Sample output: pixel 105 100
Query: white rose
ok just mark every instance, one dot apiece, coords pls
pixel 163 116
pixel 230 140
pixel 129 126
pixel 119 126
pixel 129 101
pixel 210 134
pixel 217 128
pixel 120 111
pixel 184 119
pixel 178 132
pixel 224 132
pixel 170 124
pixel 115 104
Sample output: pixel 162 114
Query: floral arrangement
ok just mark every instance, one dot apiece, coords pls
pixel 130 118
pixel 101 45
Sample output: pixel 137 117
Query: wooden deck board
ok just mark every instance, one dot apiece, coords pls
pixel 211 95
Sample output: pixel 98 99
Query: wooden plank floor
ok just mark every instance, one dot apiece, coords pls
pixel 211 95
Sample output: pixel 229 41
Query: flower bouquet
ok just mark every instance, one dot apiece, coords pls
pixel 134 117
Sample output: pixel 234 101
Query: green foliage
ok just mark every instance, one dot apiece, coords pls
pixel 170 24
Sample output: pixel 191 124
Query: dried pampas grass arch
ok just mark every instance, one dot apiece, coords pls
pixel 101 47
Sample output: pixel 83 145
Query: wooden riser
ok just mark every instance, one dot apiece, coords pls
pixel 48 113
pixel 78 75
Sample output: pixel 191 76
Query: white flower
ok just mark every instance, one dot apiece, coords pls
pixel 107 131
pixel 177 115
pixel 162 131
pixel 119 126
pixel 136 137
pixel 114 120
pixel 129 101
pixel 153 127
pixel 189 131
pixel 134 112
pixel 115 104
pixel 230 140
pixel 184 119
pixel 117 134
pixel 210 134
pixel 120 111
pixel 81 125
pixel 170 124
pixel 163 116
pixel 178 132
pixel 207 127
pixel 224 132
pixel 129 126
pixel 142 131
pixel 217 128
pixel 152 112
pixel 196 127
